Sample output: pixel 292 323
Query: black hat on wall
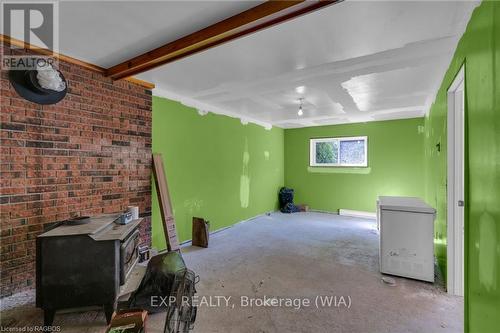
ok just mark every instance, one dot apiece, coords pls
pixel 27 85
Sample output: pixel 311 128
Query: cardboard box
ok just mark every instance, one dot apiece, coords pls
pixel 128 321
pixel 304 208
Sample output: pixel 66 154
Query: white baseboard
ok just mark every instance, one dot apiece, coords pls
pixel 357 213
pixel 323 211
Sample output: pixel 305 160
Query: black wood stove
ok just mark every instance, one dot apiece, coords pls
pixel 84 265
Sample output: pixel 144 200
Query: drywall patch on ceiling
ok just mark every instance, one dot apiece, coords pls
pixel 400 115
pixel 395 67
pixel 290 125
pixel 401 87
pixel 332 121
pixel 203 108
pixel 360 89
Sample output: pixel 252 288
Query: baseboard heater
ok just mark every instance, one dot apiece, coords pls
pixel 357 213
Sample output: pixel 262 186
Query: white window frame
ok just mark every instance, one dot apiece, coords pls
pixel 312 151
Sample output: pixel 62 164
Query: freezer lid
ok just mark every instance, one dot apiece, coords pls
pixel 405 204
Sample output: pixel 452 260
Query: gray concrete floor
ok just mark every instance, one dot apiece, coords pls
pixel 297 256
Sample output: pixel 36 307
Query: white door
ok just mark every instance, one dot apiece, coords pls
pixel 455 185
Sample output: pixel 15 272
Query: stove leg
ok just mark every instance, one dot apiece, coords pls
pixel 48 317
pixel 108 311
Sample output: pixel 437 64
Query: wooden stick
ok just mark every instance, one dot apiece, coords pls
pixel 165 204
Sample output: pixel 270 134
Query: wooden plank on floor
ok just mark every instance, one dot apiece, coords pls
pixel 167 215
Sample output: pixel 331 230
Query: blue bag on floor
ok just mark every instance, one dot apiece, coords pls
pixel 285 197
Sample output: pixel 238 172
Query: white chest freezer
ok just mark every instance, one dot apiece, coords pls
pixel 406 237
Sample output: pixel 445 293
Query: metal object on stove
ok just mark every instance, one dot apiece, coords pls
pixel 181 314
pixel 124 218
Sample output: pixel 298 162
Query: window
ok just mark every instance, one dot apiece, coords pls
pixel 344 151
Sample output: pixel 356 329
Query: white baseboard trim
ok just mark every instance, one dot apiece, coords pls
pixel 256 216
pixel 323 211
pixel 357 213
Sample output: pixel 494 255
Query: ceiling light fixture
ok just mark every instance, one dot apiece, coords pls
pixel 300 113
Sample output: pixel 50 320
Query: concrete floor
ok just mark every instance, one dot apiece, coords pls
pixel 298 256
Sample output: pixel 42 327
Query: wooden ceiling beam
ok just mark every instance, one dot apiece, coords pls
pixel 247 22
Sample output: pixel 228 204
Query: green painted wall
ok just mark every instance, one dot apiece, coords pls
pixel 479 48
pixel 216 167
pixel 395 165
pixel 227 172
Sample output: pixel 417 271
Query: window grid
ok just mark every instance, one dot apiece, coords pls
pixel 336 143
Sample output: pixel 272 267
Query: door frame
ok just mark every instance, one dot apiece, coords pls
pixel 455 249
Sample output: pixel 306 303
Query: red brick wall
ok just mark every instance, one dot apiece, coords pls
pixel 86 155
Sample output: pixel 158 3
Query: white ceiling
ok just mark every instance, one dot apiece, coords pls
pixel 106 33
pixel 357 61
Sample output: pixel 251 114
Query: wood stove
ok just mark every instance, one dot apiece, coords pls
pixel 84 265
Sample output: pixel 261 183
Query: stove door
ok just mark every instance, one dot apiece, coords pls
pixel 128 255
